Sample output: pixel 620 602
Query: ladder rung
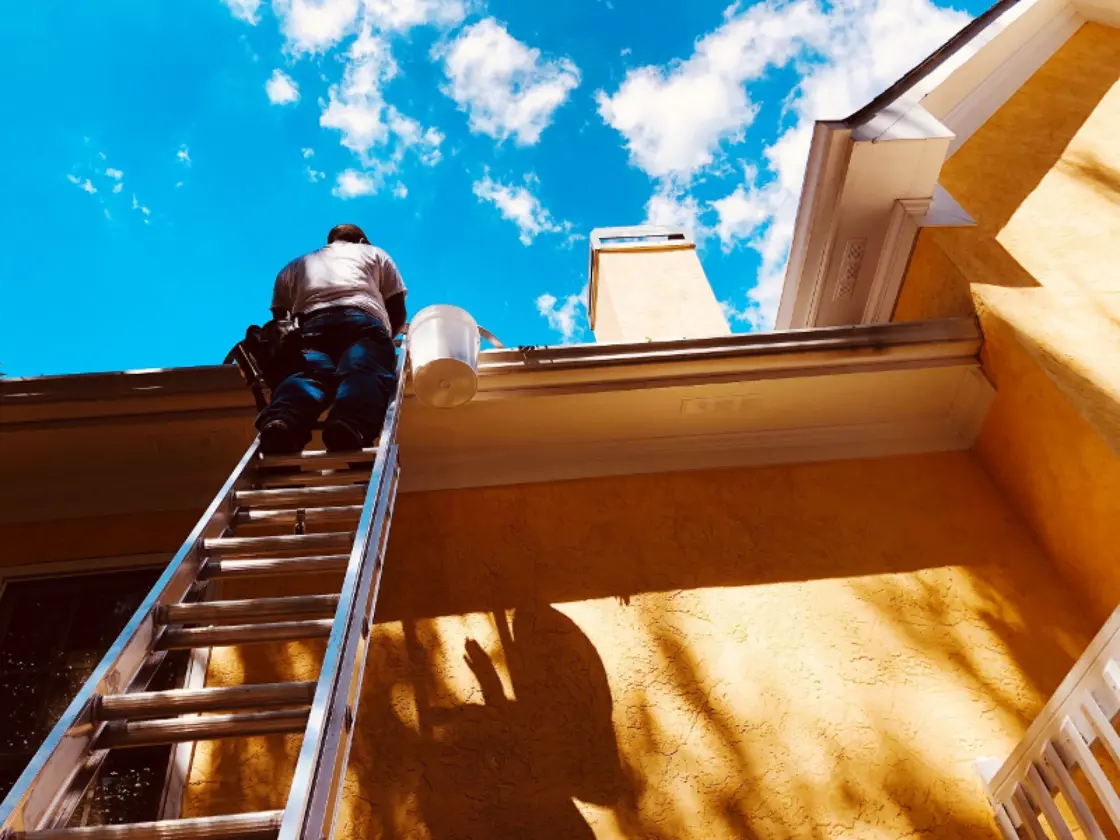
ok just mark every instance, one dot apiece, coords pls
pixel 178 638
pixel 225 569
pixel 314 479
pixel 316 457
pixel 248 610
pixel 263 546
pixel 150 733
pixel 184 701
pixel 312 516
pixel 264 825
pixel 306 496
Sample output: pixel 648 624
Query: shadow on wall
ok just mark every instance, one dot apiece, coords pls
pixel 491 765
pixel 1001 166
pixel 813 651
pixel 1088 167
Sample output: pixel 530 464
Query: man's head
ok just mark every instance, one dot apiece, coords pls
pixel 347 233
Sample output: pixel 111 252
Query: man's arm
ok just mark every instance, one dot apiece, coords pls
pixel 281 296
pixel 392 288
pixel 397 313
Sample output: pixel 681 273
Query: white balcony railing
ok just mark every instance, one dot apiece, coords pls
pixel 1028 790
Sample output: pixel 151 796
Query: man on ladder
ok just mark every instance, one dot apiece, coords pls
pixel 348 300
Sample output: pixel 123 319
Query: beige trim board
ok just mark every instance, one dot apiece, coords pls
pixel 940 423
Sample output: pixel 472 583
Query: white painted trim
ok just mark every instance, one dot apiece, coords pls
pixel 826 169
pixel 1064 729
pixel 946 106
pixel 970 406
pixel 898 244
pixel 944 211
pixel 1032 45
pixel 954 431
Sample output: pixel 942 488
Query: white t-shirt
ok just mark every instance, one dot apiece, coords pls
pixel 341 274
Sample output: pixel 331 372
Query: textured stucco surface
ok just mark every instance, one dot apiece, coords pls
pixel 25 543
pixel 815 651
pixel 1042 181
pixel 654 296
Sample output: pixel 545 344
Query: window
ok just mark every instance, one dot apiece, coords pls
pixel 53 632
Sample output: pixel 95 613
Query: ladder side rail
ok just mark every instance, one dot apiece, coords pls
pixel 309 797
pixel 60 756
pixel 330 774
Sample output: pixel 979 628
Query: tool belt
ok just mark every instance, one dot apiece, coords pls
pixel 264 357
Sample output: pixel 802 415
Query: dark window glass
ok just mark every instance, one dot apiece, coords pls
pixel 53 632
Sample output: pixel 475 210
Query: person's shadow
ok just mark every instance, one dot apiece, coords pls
pixel 510 768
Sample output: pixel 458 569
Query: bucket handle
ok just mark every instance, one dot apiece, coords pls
pixel 482 331
pixel 489 336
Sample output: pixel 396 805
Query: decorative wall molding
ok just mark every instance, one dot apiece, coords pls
pixel 898 243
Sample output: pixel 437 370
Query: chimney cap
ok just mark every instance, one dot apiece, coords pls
pixel 635 237
pixel 631 238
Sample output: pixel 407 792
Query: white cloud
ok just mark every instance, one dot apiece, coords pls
pixel 740 214
pixel 358 110
pixel 246 10
pixel 314 26
pixel 411 135
pixel 314 175
pixel 317 26
pixel 568 317
pixel 521 207
pixel 675 208
pixel 184 155
pixel 73 179
pixel 87 186
pixel 674 119
pixel 352 183
pixel 136 205
pixel 114 173
pixel 401 15
pixel 118 187
pixel 400 191
pixel 356 105
pixel 307 152
pixel 504 86
pixel 281 88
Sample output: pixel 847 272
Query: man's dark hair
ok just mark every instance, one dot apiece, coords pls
pixel 347 233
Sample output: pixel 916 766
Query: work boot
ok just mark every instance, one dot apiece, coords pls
pixel 339 436
pixel 278 438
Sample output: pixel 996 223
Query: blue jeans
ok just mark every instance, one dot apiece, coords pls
pixel 347 355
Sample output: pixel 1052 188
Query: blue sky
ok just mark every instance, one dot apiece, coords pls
pixel 164 160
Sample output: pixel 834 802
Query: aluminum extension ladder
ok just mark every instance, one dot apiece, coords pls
pixel 112 710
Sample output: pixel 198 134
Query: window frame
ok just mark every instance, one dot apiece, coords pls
pixel 181 755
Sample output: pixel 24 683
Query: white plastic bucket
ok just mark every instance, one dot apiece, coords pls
pixel 443 345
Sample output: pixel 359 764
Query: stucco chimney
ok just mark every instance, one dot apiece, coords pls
pixel 647 284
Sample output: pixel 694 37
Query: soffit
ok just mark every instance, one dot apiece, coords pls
pixel 162 441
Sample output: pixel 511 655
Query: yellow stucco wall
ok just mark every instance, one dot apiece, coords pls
pixel 814 651
pixel 1042 181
